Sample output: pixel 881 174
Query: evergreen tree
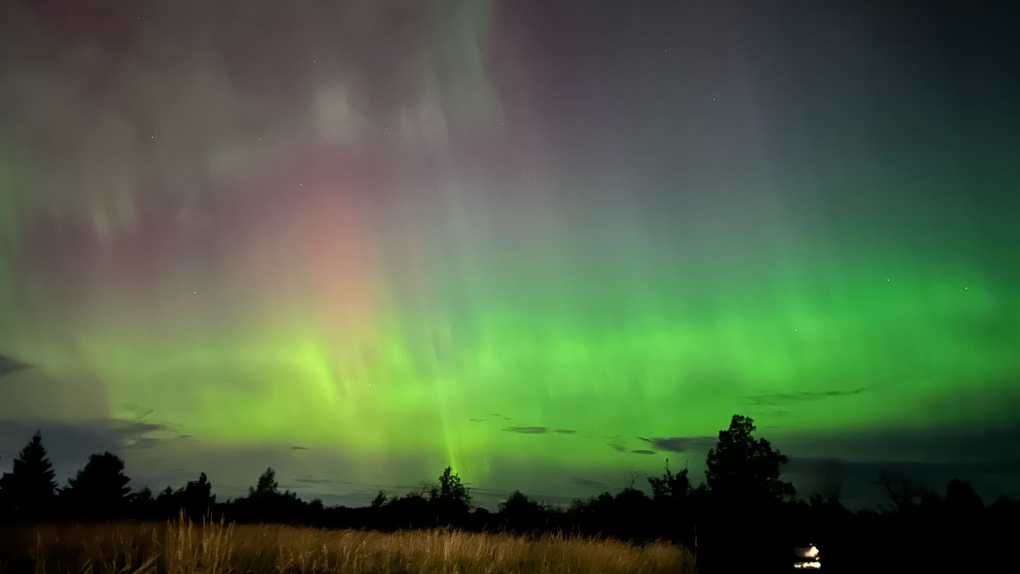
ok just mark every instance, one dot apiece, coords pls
pixel 197 498
pixel 28 491
pixel 99 491
pixel 266 503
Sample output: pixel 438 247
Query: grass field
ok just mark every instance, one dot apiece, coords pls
pixel 186 548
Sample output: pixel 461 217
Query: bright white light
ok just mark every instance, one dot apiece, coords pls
pixel 806 552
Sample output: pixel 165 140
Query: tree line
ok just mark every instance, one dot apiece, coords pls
pixel 741 516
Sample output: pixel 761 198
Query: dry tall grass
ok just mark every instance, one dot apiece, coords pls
pixel 186 548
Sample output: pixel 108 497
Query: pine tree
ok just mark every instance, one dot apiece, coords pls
pixel 100 490
pixel 29 489
pixel 197 498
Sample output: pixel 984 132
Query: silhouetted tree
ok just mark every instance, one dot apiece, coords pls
pixel 380 500
pixel 197 499
pixel 630 515
pixel 266 503
pixel 674 512
pixel 28 491
pixel 902 493
pixel 962 503
pixel 409 511
pixel 165 496
pixel 522 514
pixel 743 470
pixel 451 488
pixel 267 485
pixel 833 479
pixel 142 504
pixel 931 505
pixel 100 490
pixel 742 486
pixel 672 487
pixel 451 499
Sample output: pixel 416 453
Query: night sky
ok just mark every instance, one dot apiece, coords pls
pixel 549 243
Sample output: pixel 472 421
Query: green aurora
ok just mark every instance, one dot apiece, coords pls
pixel 565 314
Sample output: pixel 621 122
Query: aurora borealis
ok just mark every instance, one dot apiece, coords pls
pixel 506 235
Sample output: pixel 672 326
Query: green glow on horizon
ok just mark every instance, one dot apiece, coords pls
pixel 652 373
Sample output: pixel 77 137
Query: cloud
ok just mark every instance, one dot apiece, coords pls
pixel 299 448
pixel 681 443
pixel 779 399
pixel 990 478
pixel 921 444
pixel 930 457
pixel 618 446
pixel 528 430
pixel 142 442
pixel 564 431
pixel 8 366
pixel 642 451
pixel 136 434
pixel 477 420
pixel 138 412
pixel 120 426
